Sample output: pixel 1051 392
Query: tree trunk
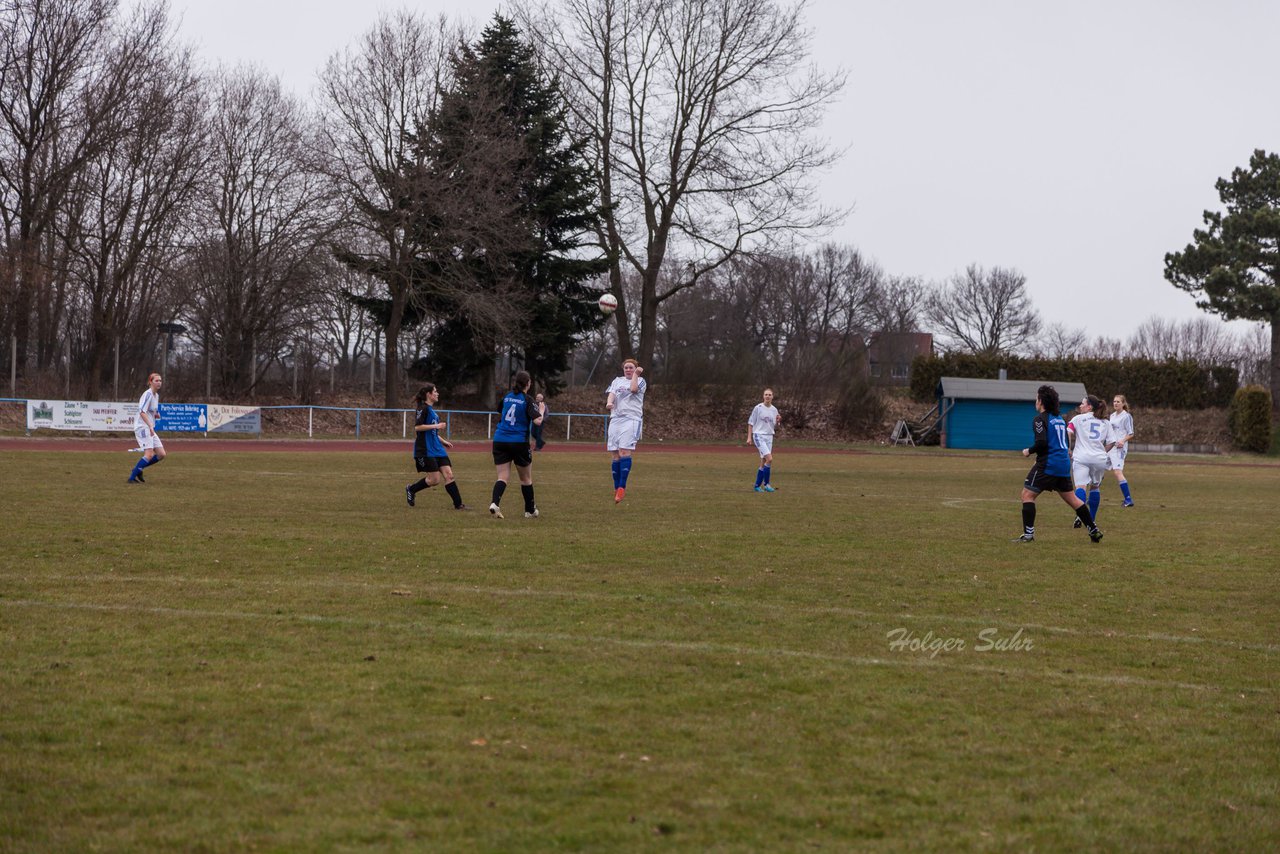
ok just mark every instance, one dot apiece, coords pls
pixel 648 315
pixel 486 387
pixel 615 287
pixel 23 284
pixel 1275 363
pixel 99 351
pixel 391 382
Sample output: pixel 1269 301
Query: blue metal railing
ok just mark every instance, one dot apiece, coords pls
pixel 447 413
pixel 404 413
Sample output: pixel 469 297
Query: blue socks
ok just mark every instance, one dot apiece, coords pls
pixel 767 473
pixel 1124 487
pixel 621 468
pixel 759 476
pixel 1095 498
pixel 140 465
pixel 1081 494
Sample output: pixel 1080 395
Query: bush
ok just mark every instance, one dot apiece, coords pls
pixel 858 406
pixel 1171 384
pixel 1249 419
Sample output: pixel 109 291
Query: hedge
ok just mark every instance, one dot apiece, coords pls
pixel 1249 419
pixel 1144 382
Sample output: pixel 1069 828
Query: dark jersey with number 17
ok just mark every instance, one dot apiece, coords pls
pixel 1052 455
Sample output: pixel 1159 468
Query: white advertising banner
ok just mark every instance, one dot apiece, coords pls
pixel 81 415
pixel 234 419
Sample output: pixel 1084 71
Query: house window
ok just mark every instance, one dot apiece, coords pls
pixel 901 370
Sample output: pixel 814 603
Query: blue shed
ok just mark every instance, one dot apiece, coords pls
pixel 994 414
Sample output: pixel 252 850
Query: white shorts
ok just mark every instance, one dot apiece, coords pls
pixel 764 444
pixel 147 440
pixel 1115 458
pixel 623 434
pixel 1086 474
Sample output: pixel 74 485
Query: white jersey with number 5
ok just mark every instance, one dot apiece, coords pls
pixel 1092 437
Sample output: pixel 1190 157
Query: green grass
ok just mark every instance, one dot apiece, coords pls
pixel 272 652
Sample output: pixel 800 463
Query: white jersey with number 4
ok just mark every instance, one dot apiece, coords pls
pixel 1092 437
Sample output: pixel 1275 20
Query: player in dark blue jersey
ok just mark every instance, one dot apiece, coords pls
pixel 430 449
pixel 1052 469
pixel 516 416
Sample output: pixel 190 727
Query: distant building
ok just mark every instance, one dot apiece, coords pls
pixel 889 356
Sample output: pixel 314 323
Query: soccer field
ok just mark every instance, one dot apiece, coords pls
pixel 271 651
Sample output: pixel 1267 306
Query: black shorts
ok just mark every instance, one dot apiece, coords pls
pixel 1037 481
pixel 430 464
pixel 512 452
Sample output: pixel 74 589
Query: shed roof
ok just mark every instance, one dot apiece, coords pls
pixel 970 389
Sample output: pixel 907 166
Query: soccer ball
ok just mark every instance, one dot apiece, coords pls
pixel 608 303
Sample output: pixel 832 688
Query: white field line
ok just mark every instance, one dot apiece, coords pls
pixel 879 616
pixel 587 641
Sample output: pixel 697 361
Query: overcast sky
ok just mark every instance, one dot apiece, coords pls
pixel 1077 143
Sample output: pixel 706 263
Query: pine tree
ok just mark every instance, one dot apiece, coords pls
pixel 1233 265
pixel 554 196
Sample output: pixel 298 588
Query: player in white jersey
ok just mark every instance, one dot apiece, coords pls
pixel 1122 426
pixel 1093 439
pixel 626 407
pixel 760 428
pixel 144 428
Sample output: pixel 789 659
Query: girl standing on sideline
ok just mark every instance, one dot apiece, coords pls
pixel 430 454
pixel 511 444
pixel 760 426
pixel 1122 427
pixel 144 428
pixel 626 407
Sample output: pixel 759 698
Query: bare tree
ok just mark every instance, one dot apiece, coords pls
pixel 270 215
pixel 1103 347
pixel 60 100
pixel 376 97
pixel 799 319
pixel 1057 341
pixel 701 114
pixel 1207 341
pixel 127 208
pixel 1154 338
pixel 899 303
pixel 984 312
pixel 343 329
pixel 1255 355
